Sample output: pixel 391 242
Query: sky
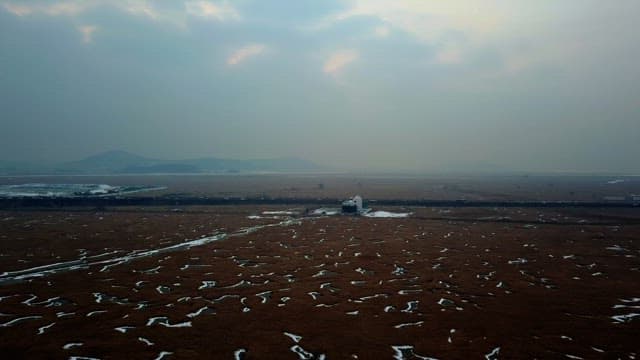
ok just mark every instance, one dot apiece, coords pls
pixel 404 85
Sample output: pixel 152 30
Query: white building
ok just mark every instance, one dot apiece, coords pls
pixel 353 205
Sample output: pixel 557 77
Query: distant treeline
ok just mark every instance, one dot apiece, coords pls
pixel 59 202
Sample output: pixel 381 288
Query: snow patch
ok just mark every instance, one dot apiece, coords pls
pixel 386 214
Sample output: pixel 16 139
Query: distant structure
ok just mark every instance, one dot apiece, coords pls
pixel 353 205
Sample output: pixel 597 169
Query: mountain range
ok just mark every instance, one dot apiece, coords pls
pixel 122 162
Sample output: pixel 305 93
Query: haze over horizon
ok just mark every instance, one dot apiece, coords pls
pixel 364 84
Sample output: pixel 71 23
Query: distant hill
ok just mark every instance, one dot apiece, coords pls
pixel 106 162
pixel 161 169
pixel 229 165
pixel 122 162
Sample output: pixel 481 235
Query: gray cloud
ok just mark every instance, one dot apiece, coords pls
pixel 374 85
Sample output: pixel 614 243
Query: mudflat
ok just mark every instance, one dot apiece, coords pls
pixel 270 282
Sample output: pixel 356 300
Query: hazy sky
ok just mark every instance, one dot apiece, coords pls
pixel 419 85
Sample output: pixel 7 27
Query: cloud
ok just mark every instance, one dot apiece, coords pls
pixel 67 8
pixel 64 8
pixel 162 12
pixel 524 35
pixel 382 31
pixel 449 55
pixel 206 9
pixel 77 7
pixel 339 60
pixel 18 10
pixel 244 53
pixel 87 33
pixel 142 8
pixel 150 10
pixel 450 26
pixel 428 20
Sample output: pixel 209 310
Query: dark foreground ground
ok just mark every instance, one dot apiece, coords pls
pixel 442 283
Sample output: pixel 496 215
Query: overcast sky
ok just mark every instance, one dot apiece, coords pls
pixel 380 85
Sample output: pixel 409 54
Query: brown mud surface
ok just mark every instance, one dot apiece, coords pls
pixel 338 186
pixel 446 283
